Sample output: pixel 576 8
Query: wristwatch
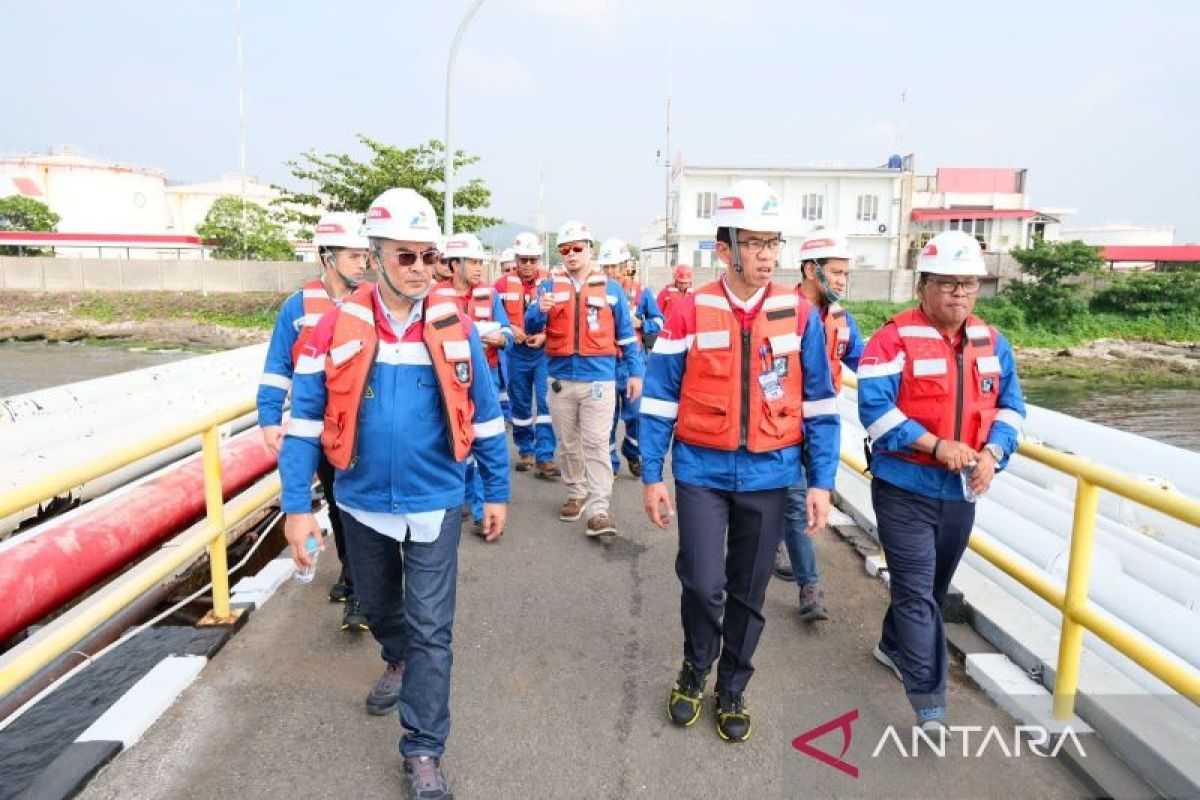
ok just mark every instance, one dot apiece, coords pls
pixel 996 450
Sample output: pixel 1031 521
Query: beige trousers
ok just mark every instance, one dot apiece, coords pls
pixel 582 424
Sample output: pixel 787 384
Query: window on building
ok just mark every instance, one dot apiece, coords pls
pixel 981 229
pixel 868 207
pixel 697 255
pixel 812 206
pixel 705 203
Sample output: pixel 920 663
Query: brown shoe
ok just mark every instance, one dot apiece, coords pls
pixel 571 510
pixel 547 470
pixel 477 528
pixel 524 463
pixel 601 528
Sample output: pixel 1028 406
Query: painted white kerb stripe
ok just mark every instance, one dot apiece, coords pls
pixel 128 718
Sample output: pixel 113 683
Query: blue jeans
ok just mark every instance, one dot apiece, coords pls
pixel 799 544
pixel 923 539
pixel 408 593
pixel 533 433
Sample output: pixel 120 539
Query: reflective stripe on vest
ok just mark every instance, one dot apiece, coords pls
pixel 932 383
pixel 479 310
pixel 348 366
pixel 837 340
pixel 722 402
pixel 317 303
pixel 568 332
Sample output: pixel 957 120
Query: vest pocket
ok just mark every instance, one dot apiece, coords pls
pixel 705 413
pixel 781 418
pixel 983 426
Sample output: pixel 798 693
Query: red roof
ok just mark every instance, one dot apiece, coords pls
pixel 93 239
pixel 1166 252
pixel 919 214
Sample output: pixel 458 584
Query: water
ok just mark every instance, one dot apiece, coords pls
pixel 29 366
pixel 1167 415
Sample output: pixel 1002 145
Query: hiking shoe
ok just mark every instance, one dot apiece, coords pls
pixel 353 618
pixel 341 591
pixel 385 694
pixel 426 781
pixel 601 528
pixel 783 564
pixel 571 510
pixel 547 471
pixel 635 467
pixel 524 463
pixel 812 606
pixel 687 696
pixel 888 659
pixel 733 719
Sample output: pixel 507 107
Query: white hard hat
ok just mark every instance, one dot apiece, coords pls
pixel 527 244
pixel 463 245
pixel 401 215
pixel 612 251
pixel 508 254
pixel 821 244
pixel 952 253
pixel 749 205
pixel 340 229
pixel 574 231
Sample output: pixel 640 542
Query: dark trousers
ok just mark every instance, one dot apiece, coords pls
pixel 727 544
pixel 923 540
pixel 325 475
pixel 408 593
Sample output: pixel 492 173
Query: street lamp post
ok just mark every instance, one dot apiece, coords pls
pixel 448 175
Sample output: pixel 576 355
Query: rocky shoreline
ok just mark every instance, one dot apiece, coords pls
pixel 190 334
pixel 1165 364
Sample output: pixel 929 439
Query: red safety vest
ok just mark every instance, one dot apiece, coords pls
pixel 837 339
pixel 476 305
pixel 317 303
pixel 668 297
pixel 568 332
pixel 722 402
pixel 517 295
pixel 352 353
pixel 951 393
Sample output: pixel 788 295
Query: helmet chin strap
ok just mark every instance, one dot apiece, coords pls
pixel 830 295
pixel 733 247
pixel 331 263
pixel 395 289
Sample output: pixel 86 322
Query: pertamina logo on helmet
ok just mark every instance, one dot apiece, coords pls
pixel 731 203
pixel 771 205
pixel 378 212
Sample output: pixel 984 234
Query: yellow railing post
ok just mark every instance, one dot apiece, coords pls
pixel 215 502
pixel 1075 598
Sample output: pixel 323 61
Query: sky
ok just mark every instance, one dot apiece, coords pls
pixel 1100 101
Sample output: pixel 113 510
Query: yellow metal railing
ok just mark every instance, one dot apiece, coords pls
pixel 1071 600
pixel 27 658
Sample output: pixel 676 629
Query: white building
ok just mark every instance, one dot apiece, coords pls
pixel 189 202
pixel 1121 234
pixel 867 205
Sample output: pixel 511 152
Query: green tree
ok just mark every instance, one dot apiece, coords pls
pixel 26 214
pixel 1050 266
pixel 342 183
pixel 244 230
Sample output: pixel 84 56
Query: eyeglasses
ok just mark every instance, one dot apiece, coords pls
pixel 527 259
pixel 406 258
pixel 757 245
pixel 563 249
pixel 950 285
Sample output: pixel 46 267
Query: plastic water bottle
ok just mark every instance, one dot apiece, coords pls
pixel 306 575
pixel 964 474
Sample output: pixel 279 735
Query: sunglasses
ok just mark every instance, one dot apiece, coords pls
pixel 528 259
pixel 406 258
pixel 563 249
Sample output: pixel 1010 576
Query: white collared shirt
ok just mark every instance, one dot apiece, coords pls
pixel 745 305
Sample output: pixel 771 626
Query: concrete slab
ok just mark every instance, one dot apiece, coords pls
pixel 1021 697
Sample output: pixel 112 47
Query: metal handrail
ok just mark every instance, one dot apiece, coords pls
pixel 26 659
pixel 1078 614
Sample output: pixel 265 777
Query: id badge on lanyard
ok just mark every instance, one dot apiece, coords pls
pixel 768 378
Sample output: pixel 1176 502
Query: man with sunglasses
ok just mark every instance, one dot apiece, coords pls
pixel 586 322
pixel 939 396
pixel 825 265
pixel 342 252
pixel 393 388
pixel 463 254
pixel 740 381
pixel 533 433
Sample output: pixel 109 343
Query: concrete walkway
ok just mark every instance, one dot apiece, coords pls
pixel 564 653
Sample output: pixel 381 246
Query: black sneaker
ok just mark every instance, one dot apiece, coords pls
pixel 341 591
pixel 733 720
pixel 385 694
pixel 353 618
pixel 687 695
pixel 635 467
pixel 426 781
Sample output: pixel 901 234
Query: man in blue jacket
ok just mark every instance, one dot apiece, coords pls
pixel 939 396
pixel 394 389
pixel 342 252
pixel 740 379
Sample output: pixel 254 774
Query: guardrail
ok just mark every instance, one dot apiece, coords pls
pixel 59 638
pixel 1078 614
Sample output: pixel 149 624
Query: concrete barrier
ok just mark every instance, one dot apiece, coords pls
pixel 42 274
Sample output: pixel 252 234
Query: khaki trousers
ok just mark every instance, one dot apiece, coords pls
pixel 581 425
